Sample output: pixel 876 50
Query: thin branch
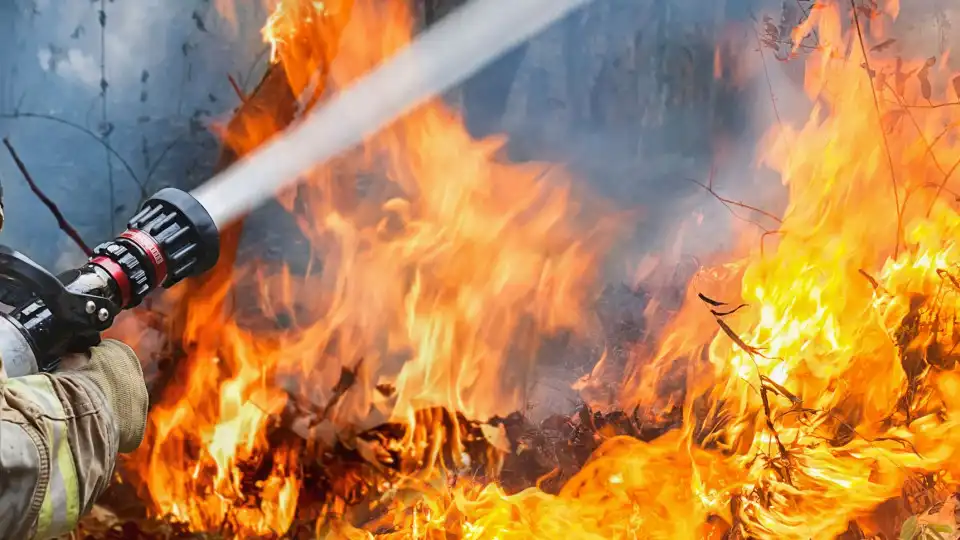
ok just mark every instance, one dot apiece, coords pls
pixel 942 186
pixel 728 203
pixel 763 238
pixel 256 62
pixel 764 388
pixel 930 152
pixel 799 46
pixel 78 127
pixel 900 102
pixel 883 132
pixel 943 133
pixel 159 159
pixel 934 105
pixel 815 32
pixel 61 221
pixel 236 88
pixel 931 185
pixel 766 73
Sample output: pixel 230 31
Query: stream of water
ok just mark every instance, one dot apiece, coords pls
pixel 445 55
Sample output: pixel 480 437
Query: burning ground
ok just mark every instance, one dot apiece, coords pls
pixel 804 386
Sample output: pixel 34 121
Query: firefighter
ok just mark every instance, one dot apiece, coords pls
pixel 60 434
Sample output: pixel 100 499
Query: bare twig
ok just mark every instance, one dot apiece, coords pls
pixel 815 32
pixel 78 127
pixel 943 133
pixel 943 183
pixel 768 414
pixel 753 352
pixel 932 185
pixel 159 159
pixel 728 203
pixel 934 105
pixel 763 238
pixel 236 88
pixel 791 44
pixel 942 186
pixel 883 132
pixel 61 221
pixel 253 65
pixel 846 425
pixel 766 73
pixel 930 152
pixel 873 281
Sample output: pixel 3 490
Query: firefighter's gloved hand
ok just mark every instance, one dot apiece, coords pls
pixel 115 369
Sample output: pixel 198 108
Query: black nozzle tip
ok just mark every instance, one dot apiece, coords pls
pixel 207 235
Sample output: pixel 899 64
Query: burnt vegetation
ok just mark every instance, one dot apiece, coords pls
pixel 349 477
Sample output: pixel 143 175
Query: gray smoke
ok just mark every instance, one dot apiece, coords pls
pixel 622 93
pixel 163 67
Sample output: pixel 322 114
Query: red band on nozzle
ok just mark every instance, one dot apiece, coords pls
pixel 153 251
pixel 119 277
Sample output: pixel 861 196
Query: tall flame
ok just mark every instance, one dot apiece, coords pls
pixel 815 377
pixel 432 288
pixel 827 389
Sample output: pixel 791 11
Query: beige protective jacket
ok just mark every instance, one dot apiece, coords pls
pixel 59 438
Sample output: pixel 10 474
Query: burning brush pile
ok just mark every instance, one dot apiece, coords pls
pixel 806 388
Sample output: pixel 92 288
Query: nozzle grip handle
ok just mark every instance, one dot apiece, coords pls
pixel 77 309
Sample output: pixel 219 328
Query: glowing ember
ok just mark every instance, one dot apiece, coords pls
pixel 803 410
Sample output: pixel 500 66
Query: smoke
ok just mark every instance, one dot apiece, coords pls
pixel 623 93
pixel 628 96
pixel 146 78
pixel 926 28
pixel 597 93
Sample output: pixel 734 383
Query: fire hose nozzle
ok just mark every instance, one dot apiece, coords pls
pixel 171 238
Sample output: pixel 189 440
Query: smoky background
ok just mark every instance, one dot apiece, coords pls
pixel 638 99
pixel 108 101
pixel 622 92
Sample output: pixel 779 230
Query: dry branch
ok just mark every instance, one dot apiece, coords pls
pixel 78 127
pixel 65 225
pixel 728 203
pixel 883 132
pixel 236 89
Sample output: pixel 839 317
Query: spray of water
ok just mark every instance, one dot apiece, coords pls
pixel 458 46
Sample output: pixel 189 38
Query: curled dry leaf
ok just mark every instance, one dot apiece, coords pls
pixel 924 76
pixel 496 436
pixel 939 522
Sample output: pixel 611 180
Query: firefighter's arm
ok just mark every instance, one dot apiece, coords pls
pixel 59 438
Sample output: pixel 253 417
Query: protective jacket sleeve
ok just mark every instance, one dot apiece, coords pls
pixel 60 435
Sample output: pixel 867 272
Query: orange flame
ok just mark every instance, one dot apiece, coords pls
pixel 804 386
pixel 804 409
pixel 832 386
pixel 436 285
